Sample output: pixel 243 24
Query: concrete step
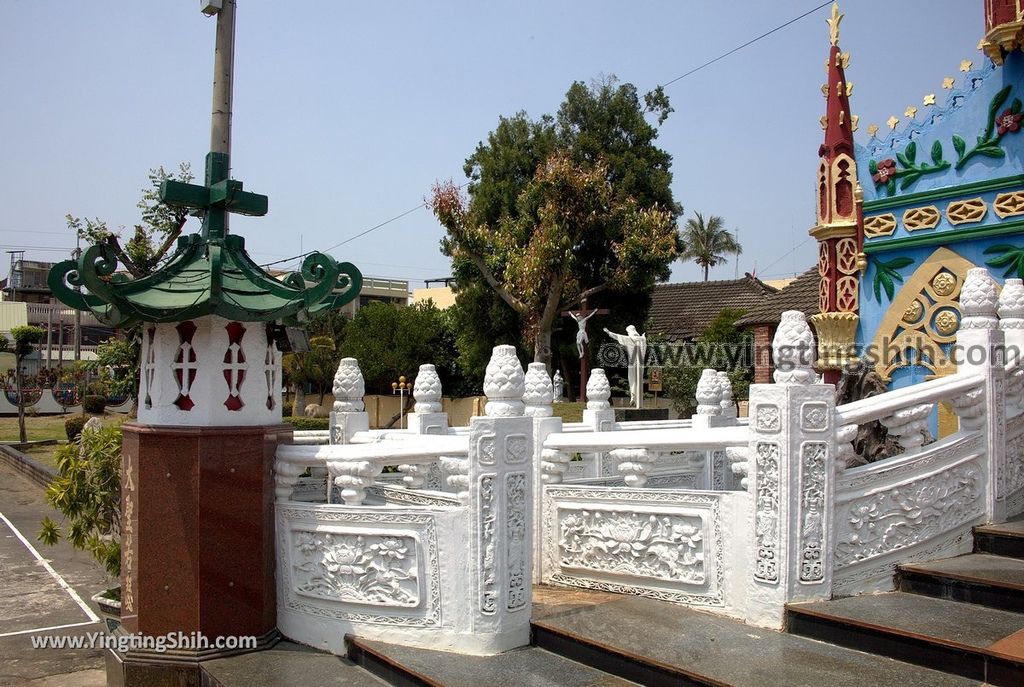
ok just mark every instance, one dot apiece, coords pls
pixel 964 639
pixel 977 578
pixel 287 665
pixel 656 643
pixel 1002 540
pixel 405 666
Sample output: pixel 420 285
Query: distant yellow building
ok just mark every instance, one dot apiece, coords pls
pixel 443 296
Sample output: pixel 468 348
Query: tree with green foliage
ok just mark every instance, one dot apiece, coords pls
pixel 560 209
pixel 153 237
pixel 721 346
pixel 314 368
pixel 708 243
pixel 391 341
pixel 25 340
pixel 87 492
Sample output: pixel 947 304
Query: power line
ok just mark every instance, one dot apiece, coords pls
pixel 359 235
pixel 750 42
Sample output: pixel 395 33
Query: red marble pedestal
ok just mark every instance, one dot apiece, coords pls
pixel 197 540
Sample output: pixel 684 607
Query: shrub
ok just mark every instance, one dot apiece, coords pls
pixel 87 492
pixel 94 404
pixel 73 426
pixel 304 423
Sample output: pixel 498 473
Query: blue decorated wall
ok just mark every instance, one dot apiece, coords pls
pixel 951 177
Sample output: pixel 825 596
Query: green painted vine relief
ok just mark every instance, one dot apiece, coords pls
pixel 906 170
pixel 887 275
pixel 1009 256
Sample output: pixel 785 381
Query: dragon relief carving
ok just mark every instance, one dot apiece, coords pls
pixel 664 546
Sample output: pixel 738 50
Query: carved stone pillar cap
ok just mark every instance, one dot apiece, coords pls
pixel 349 387
pixel 599 390
pixel 539 393
pixel 504 383
pixel 427 390
pixel 1011 299
pixel 978 295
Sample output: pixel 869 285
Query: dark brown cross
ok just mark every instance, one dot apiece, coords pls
pixel 583 347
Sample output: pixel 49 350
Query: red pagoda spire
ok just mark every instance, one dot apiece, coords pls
pixel 1004 28
pixel 839 218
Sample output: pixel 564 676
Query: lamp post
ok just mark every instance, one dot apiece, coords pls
pixel 400 387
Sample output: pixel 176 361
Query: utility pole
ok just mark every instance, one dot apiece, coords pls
pixel 223 85
pixel 78 313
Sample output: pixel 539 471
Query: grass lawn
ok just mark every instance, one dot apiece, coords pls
pixel 43 427
pixel 569 412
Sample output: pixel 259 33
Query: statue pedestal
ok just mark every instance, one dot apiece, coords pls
pixel 640 414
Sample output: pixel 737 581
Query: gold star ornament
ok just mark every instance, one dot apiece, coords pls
pixel 948 82
pixel 965 65
pixel 872 130
pixel 910 112
pixel 929 100
pixel 892 121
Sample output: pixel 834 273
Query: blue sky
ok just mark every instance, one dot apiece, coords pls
pixel 346 113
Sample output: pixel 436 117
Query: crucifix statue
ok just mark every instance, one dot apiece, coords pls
pixel 582 340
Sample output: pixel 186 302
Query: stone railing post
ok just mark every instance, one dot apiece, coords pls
pixel 600 415
pixel 728 403
pixel 548 465
pixel 791 479
pixel 980 347
pixel 500 475
pixel 1011 322
pixel 348 415
pixel 426 416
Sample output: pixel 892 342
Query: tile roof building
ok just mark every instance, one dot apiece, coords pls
pixel 682 311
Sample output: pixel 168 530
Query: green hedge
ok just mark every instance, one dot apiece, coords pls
pixel 308 422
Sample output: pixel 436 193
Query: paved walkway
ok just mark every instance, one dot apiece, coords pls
pixel 44 590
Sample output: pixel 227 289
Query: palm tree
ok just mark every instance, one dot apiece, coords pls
pixel 708 243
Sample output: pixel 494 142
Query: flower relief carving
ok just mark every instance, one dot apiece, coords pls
pixel 515 530
pixel 767 418
pixel 766 516
pixel 909 513
pixel 517 449
pixel 487 553
pixel 812 512
pixel 357 568
pixel 815 417
pixel 664 546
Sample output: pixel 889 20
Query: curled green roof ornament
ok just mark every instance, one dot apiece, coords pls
pixel 209 273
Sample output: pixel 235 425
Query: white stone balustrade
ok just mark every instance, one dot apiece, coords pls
pixel 348 414
pixel 909 426
pixel 709 393
pixel 427 417
pixel 633 464
pixel 727 403
pixel 1011 322
pixel 538 394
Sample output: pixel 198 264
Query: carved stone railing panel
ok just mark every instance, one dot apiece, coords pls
pixel 664 544
pixel 912 507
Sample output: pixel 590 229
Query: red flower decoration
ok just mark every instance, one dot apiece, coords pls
pixel 1008 121
pixel 886 168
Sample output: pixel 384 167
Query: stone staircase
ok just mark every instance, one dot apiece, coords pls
pixel 953 623
pixel 962 615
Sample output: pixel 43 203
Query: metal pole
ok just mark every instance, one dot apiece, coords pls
pixel 223 73
pixel 49 335
pixel 78 313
